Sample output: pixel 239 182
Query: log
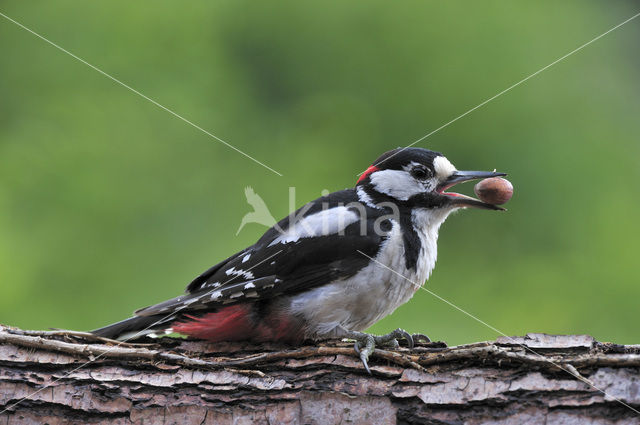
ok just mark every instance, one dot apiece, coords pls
pixel 61 377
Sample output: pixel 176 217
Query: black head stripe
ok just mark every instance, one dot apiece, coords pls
pixel 398 158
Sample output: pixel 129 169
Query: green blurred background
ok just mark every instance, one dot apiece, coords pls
pixel 108 203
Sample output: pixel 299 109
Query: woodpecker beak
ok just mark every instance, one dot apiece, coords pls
pixel 460 200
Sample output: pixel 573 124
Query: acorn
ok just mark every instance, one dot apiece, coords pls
pixel 495 190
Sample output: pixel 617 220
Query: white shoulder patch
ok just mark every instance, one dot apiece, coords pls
pixel 322 223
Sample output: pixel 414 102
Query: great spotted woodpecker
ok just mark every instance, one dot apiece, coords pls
pixel 332 268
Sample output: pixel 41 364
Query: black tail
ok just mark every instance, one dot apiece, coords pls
pixel 134 327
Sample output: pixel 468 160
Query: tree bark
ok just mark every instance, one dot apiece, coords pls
pixel 69 377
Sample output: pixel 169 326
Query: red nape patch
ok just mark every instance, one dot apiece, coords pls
pixel 366 173
pixel 229 324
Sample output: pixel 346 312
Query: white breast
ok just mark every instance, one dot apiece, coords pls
pixel 377 290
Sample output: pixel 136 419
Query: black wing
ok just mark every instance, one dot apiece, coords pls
pixel 281 263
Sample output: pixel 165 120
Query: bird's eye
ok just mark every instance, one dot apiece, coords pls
pixel 420 173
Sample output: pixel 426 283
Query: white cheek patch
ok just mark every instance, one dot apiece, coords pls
pixel 396 183
pixel 325 222
pixel 443 167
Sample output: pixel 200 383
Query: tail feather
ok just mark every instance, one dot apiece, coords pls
pixel 134 327
pixel 231 323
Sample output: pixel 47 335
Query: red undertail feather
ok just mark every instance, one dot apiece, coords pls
pixel 229 324
pixel 238 323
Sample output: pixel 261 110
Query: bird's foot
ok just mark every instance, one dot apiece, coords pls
pixel 421 337
pixel 366 343
pixel 391 339
pixel 364 346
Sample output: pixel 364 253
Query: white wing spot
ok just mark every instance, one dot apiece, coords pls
pixel 239 272
pixel 216 294
pixel 249 285
pixel 246 258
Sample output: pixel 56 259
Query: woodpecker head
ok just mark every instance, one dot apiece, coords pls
pixel 419 178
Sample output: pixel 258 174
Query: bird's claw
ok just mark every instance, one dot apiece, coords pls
pixel 365 343
pixel 364 353
pixel 421 337
pixel 392 338
pixel 356 347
